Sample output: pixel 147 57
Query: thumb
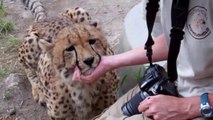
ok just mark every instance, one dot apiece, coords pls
pixel 98 72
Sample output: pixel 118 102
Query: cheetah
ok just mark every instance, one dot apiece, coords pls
pixel 50 51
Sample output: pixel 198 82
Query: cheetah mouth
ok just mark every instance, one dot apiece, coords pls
pixel 88 71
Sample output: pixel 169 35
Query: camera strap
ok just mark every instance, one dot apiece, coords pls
pixel 179 14
pixel 151 8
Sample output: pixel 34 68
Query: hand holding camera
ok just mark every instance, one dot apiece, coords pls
pixel 155 81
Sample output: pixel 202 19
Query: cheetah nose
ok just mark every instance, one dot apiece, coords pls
pixel 89 61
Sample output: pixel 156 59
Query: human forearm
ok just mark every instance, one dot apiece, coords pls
pixel 138 55
pixel 191 105
pixel 132 57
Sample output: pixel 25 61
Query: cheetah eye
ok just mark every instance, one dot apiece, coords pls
pixel 70 48
pixel 92 41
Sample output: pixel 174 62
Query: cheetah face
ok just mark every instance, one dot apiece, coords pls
pixel 79 45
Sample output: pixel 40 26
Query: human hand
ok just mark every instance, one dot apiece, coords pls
pixel 104 66
pixel 162 107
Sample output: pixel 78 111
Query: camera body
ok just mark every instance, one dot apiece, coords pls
pixel 155 81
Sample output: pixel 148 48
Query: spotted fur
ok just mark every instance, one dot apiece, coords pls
pixel 50 51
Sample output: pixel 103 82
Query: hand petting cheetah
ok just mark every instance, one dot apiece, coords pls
pixel 50 51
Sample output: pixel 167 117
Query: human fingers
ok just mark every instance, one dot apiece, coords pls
pixel 92 77
pixel 146 108
pixel 144 105
pixel 87 79
pixel 149 112
pixel 99 71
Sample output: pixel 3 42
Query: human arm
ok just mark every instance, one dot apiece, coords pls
pixel 138 55
pixel 163 107
pixel 133 57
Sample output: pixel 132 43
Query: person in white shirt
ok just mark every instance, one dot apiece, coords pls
pixel 194 67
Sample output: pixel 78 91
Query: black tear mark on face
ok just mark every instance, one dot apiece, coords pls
pixel 77 62
pixel 68 72
pixel 92 42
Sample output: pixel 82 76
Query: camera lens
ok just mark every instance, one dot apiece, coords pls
pixel 131 107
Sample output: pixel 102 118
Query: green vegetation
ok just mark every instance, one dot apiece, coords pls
pixel 8 45
pixel 4 71
pixel 1 8
pixel 5 26
pixel 133 75
pixel 12 43
pixel 136 75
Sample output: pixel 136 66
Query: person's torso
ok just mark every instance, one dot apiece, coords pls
pixel 195 59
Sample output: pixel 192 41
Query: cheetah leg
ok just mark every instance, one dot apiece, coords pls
pixel 108 93
pixel 36 87
pixel 28 56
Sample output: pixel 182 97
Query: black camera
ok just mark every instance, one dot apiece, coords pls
pixel 155 81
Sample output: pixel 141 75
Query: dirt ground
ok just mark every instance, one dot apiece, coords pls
pixel 15 91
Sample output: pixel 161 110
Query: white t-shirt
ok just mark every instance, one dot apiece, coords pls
pixel 195 59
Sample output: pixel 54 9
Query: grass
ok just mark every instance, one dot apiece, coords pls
pixel 1 8
pixel 136 75
pixel 8 45
pixel 12 43
pixel 4 71
pixel 5 26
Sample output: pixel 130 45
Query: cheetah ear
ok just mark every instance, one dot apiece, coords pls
pixel 45 45
pixel 95 24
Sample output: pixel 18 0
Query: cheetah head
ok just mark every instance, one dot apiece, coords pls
pixel 80 45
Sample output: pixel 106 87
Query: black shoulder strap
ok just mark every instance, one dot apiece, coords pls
pixel 151 8
pixel 179 15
